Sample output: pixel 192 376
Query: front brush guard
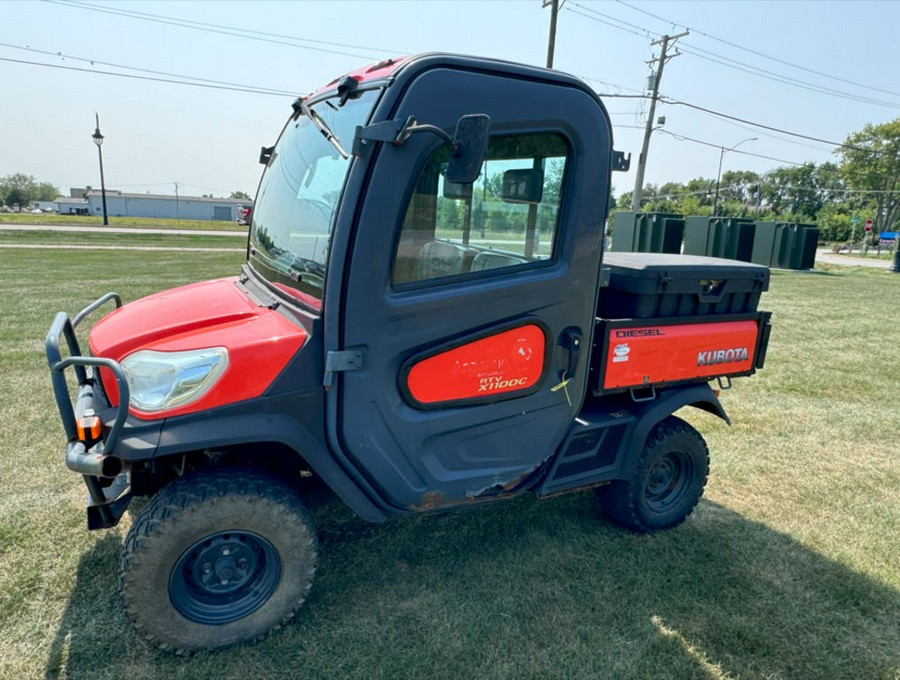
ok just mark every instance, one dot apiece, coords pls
pixel 108 497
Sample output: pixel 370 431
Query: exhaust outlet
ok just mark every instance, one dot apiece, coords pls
pixel 91 462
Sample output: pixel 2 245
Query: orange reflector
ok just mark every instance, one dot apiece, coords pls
pixel 717 393
pixel 88 428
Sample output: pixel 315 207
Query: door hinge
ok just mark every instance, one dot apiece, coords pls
pixel 340 361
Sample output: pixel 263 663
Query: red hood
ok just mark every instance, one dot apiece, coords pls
pixel 216 313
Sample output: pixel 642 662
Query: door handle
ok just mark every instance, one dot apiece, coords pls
pixel 570 341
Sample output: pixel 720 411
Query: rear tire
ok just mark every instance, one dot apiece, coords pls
pixel 667 483
pixel 217 558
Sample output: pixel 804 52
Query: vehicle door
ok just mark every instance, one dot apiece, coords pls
pixel 473 305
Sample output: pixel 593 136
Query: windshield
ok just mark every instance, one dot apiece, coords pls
pixel 290 229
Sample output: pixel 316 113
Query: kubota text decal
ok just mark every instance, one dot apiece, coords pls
pixel 661 354
pixel 509 361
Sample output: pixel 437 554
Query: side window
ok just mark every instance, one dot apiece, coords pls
pixel 507 218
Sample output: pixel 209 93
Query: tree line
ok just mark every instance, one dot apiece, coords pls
pixel 21 190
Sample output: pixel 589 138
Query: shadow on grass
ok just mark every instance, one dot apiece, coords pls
pixel 92 618
pixel 536 589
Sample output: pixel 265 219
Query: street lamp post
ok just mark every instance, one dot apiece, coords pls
pixel 98 140
pixel 719 175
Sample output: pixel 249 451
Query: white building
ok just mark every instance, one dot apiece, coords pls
pixel 119 204
pixel 71 206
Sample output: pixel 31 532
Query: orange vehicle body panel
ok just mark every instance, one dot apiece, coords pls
pixel 651 355
pixel 509 361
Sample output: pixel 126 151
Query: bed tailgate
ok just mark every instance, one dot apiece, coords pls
pixel 638 353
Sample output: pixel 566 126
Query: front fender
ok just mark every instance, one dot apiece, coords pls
pixel 667 402
pixel 291 420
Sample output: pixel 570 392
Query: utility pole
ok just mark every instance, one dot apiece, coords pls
pixel 657 77
pixel 551 42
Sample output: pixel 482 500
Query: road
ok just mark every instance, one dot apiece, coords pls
pixel 851 260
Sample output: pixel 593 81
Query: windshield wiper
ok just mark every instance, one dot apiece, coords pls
pixel 323 128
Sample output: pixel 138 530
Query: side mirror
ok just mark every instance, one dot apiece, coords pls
pixel 469 147
pixel 469 143
pixel 457 192
pixel 523 186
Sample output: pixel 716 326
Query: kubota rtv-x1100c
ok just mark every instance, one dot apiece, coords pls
pixel 425 320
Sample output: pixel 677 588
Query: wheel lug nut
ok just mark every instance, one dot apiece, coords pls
pixel 242 564
pixel 207 568
pixel 226 551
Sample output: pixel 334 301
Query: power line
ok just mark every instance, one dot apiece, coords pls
pixel 236 88
pixel 769 75
pixel 594 15
pixel 781 160
pixel 232 87
pixel 728 62
pixel 675 102
pixel 757 53
pixel 233 31
pixel 621 87
pixel 143 70
pixel 720 146
pixel 179 79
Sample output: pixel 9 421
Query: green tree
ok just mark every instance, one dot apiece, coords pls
pixel 47 192
pixel 870 163
pixel 797 191
pixel 240 196
pixel 834 223
pixel 739 186
pixel 21 189
pixel 703 190
pixel 450 213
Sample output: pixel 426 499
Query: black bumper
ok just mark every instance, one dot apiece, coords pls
pixel 108 485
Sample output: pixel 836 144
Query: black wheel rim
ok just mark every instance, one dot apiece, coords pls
pixel 667 480
pixel 224 577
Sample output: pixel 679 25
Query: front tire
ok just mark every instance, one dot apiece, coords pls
pixel 667 483
pixel 217 558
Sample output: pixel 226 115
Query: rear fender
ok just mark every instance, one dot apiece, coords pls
pixel 666 403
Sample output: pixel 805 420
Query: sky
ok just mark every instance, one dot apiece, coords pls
pixel 818 69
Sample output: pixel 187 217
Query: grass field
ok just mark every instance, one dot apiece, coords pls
pixel 89 221
pixel 237 242
pixel 788 568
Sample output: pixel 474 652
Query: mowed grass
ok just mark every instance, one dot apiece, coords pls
pixel 80 240
pixel 95 221
pixel 788 568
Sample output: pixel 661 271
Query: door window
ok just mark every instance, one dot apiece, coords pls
pixel 507 218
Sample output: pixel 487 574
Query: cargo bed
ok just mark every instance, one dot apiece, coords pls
pixel 668 319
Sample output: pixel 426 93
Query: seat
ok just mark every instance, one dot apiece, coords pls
pixel 440 258
pixel 488 260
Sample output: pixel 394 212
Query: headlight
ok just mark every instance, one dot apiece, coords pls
pixel 163 380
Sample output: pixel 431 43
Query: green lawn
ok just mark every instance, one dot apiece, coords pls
pixel 96 238
pixel 788 568
pixel 89 221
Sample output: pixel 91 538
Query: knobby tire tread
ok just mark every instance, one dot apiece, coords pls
pixel 190 491
pixel 620 498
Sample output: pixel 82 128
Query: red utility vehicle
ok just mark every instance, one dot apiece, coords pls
pixel 423 322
